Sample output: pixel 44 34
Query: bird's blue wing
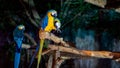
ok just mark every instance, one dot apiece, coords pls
pixel 44 22
pixel 18 37
pixel 17 52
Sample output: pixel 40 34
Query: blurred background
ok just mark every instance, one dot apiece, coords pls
pixel 88 25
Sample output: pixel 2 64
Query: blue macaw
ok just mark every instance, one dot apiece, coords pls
pixel 18 35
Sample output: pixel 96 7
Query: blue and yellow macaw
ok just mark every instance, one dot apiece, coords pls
pixel 47 24
pixel 57 26
pixel 18 35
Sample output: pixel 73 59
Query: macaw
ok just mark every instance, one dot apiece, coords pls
pixel 57 25
pixel 18 35
pixel 47 24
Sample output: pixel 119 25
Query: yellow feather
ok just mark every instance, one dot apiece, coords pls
pixel 40 52
pixel 50 25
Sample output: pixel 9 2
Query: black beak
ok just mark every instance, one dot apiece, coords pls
pixel 58 30
pixel 55 15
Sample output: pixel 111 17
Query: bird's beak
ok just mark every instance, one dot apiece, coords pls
pixel 54 15
pixel 58 30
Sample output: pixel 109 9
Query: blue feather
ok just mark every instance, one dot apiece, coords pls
pixel 18 37
pixel 17 60
pixel 44 22
pixel 17 52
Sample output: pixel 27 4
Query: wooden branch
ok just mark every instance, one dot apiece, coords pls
pixel 118 60
pixel 86 53
pixel 25 46
pixel 109 4
pixel 100 3
pixel 65 56
pixel 59 62
pixel 50 61
pixel 50 36
pixel 68 49
pixel 46 51
pixel 74 53
pixel 55 60
pixel 117 10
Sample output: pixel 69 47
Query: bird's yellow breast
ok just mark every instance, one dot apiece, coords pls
pixel 50 25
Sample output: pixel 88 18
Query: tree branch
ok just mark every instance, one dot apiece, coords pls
pixel 64 47
pixel 50 61
pixel 25 46
pixel 50 36
pixel 86 53
pixel 67 52
pixel 100 3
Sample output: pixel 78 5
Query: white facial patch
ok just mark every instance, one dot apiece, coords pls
pixel 58 25
pixel 54 13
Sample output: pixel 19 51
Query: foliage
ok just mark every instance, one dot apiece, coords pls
pixel 77 14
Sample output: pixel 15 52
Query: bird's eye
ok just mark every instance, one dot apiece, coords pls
pixel 54 14
pixel 58 25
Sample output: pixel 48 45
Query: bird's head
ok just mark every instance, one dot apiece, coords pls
pixel 52 13
pixel 57 24
pixel 21 27
pixel 19 32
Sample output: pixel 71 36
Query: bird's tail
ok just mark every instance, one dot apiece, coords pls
pixel 34 56
pixel 17 60
pixel 40 52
